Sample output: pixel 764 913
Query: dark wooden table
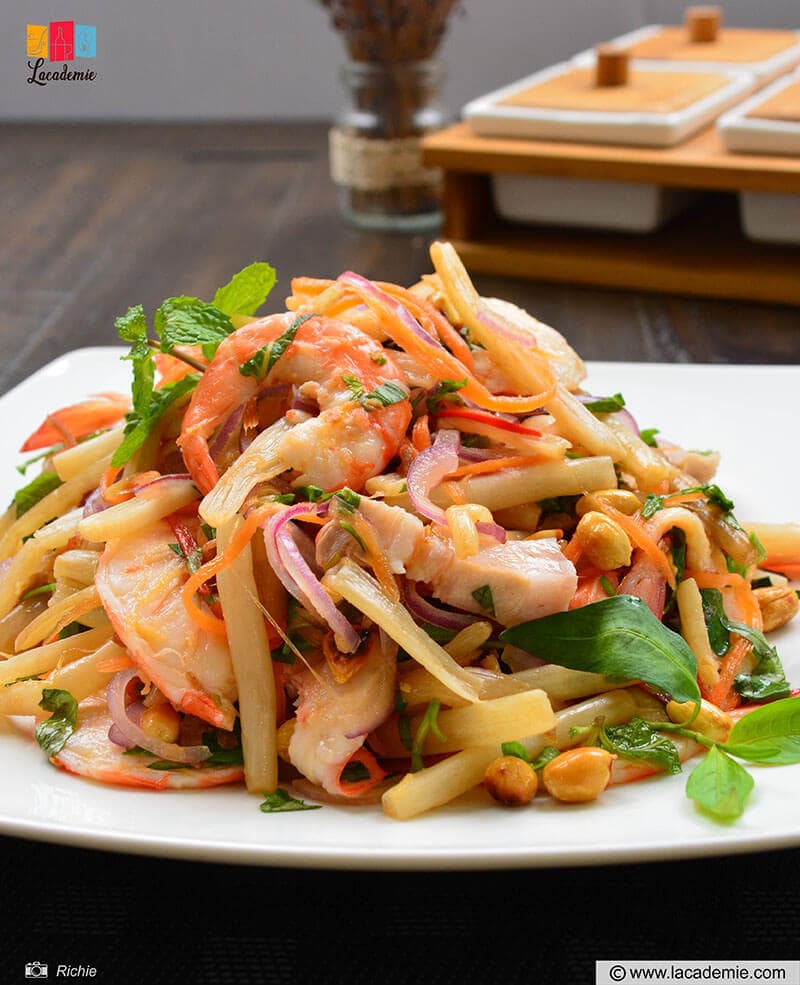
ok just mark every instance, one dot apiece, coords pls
pixel 96 219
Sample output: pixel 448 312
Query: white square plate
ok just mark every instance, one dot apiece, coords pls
pixel 745 411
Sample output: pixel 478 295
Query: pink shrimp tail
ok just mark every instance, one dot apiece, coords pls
pixel 199 462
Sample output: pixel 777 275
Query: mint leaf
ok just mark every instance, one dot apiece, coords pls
pixel 53 732
pixel 246 291
pixel 638 740
pixel 719 785
pixel 132 327
pixel 606 405
pixel 483 596
pixel 648 436
pixel 259 365
pixel 770 734
pixel 280 801
pixel 619 637
pixel 27 497
pixel 190 321
pixel 142 421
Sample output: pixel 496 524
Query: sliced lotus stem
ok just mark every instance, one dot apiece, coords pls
pixel 693 630
pixel 57 616
pixel 258 463
pixel 151 505
pixel 43 659
pixel 76 566
pixel 73 461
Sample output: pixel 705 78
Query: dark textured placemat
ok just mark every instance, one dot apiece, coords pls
pixel 156 921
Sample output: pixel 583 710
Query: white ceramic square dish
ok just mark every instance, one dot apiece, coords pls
pixel 699 406
pixel 744 133
pixel 696 56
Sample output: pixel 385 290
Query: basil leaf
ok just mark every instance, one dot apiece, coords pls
pixel 606 405
pixel 142 422
pixel 619 637
pixel 716 620
pixel 766 682
pixel 770 734
pixel 648 436
pixel 53 732
pixel 719 785
pixel 280 801
pixel 259 365
pixel 190 321
pixel 638 740
pixel 483 596
pixel 27 497
pixel 246 291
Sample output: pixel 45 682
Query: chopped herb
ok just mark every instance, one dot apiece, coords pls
pixel 168 764
pixel 47 589
pixel 606 405
pixel 23 467
pixel 648 436
pixel 378 359
pixel 483 596
pixel 26 677
pixel 466 335
pixel 221 756
pixel 515 749
pixel 475 441
pixel 209 532
pixel 284 656
pixel 386 394
pixel 445 391
pixel 280 801
pixel 715 620
pixel 35 491
pixel 756 542
pixel 652 504
pixel 286 499
pixel 193 560
pixel 347 499
pixel 400 703
pixel 428 723
pixel 439 633
pixel 312 494
pixel 354 772
pixel 72 629
pixel 558 504
pixel 349 528
pixel 545 756
pixel 763 582
pixel 606 585
pixel 404 731
pixel 259 365
pixel 637 739
pixel 678 552
pixel 53 732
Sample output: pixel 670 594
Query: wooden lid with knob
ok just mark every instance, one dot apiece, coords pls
pixel 703 23
pixel 612 66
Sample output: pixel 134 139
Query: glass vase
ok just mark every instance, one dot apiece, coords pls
pixel 375 145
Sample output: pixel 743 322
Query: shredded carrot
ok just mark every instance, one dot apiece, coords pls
pixel 114 664
pixel 421 434
pixel 679 498
pixel 789 568
pixel 380 562
pixel 205 619
pixel 573 550
pixel 455 490
pixel 120 492
pixel 495 465
pixel 635 529
pixel 433 321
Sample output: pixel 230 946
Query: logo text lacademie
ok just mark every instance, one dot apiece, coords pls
pixel 60 41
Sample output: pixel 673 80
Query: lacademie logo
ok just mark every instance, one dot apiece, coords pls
pixel 60 41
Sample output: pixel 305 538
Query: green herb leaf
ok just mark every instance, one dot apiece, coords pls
pixel 53 732
pixel 619 637
pixel 404 731
pixel 142 421
pixel 72 629
pixel 515 749
pixel 652 504
pixel 445 392
pixel 347 499
pixel 168 764
pixel 221 756
pixel 483 596
pixel 350 529
pixel 190 321
pixel 719 785
pixel 25 677
pixel 259 365
pixel 385 395
pixel 638 740
pixel 648 436
pixel 716 620
pixel 354 385
pixel 23 467
pixel 606 585
pixel 770 734
pixel 193 560
pixel 429 723
pixel 545 756
pixel 246 291
pixel 678 552
pixel 280 801
pixel 47 589
pixel 606 405
pixel 354 772
pixel 27 497
pixel 767 681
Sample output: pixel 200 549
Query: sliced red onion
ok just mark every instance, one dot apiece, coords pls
pixel 492 530
pixel 299 580
pixel 232 422
pixel 172 480
pixel 356 280
pixel 424 610
pixel 500 327
pixel 129 732
pixel 484 454
pixel 95 503
pixel 427 471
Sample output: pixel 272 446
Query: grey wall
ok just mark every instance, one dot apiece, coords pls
pixel 268 59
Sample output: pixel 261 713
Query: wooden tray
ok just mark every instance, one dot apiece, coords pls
pixel 702 253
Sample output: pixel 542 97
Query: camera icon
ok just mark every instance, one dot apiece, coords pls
pixel 35 969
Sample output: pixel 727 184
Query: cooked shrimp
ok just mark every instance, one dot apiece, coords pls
pixel 334 719
pixel 140 579
pixel 77 420
pixel 89 752
pixel 347 443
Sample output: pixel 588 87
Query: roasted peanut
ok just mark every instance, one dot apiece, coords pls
pixel 284 737
pixel 162 722
pixel 621 499
pixel 604 541
pixel 778 604
pixel 511 781
pixel 712 722
pixel 578 775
